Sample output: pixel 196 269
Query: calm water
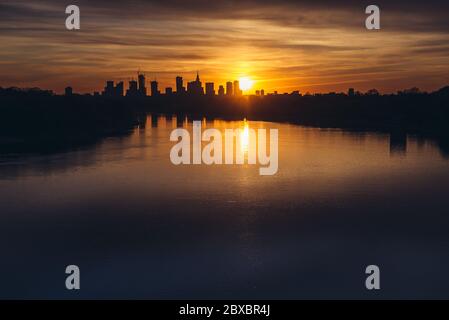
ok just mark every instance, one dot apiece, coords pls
pixel 140 227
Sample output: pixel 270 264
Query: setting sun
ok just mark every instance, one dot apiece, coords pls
pixel 246 83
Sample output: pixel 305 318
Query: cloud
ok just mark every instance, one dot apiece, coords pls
pixel 290 43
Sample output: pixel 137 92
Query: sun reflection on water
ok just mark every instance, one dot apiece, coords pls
pixel 244 140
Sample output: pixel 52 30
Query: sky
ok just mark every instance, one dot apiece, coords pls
pixel 283 45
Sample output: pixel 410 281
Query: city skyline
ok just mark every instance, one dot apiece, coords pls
pixel 195 87
pixel 139 87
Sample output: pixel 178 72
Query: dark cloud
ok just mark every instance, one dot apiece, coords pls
pixel 399 15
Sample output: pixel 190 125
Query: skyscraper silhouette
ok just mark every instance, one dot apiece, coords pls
pixel 119 89
pixel 229 88
pixel 132 90
pixel 210 90
pixel 221 90
pixel 237 91
pixel 179 85
pixel 195 87
pixel 154 90
pixel 109 89
pixel 142 88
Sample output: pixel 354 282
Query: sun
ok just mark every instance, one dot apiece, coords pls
pixel 245 83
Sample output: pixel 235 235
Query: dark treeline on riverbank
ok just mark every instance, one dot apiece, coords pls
pixel 30 117
pixel 37 122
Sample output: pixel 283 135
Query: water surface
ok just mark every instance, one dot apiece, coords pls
pixel 140 227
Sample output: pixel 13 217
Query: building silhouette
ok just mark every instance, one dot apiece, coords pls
pixel 142 88
pixel 237 91
pixel 229 88
pixel 210 90
pixel 168 90
pixel 221 90
pixel 113 91
pixel 154 89
pixel 119 89
pixel 195 87
pixel 372 92
pixel 109 89
pixel 68 91
pixel 179 86
pixel 132 89
pixel 351 92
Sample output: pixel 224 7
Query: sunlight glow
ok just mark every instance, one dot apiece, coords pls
pixel 246 83
pixel 244 142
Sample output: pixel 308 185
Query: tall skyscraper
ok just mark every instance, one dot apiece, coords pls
pixel 229 88
pixel 109 89
pixel 142 88
pixel 179 85
pixel 195 87
pixel 221 90
pixel 262 92
pixel 68 91
pixel 154 90
pixel 237 91
pixel 210 90
pixel 132 90
pixel 113 91
pixel 119 89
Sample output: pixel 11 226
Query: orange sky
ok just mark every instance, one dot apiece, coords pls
pixel 282 45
